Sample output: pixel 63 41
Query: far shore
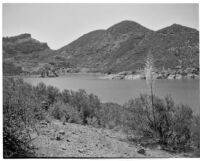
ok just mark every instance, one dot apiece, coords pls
pixel 117 76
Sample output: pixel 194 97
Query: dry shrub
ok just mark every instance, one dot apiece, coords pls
pixel 172 123
pixel 65 112
pixel 18 117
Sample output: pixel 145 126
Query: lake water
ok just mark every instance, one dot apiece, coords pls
pixel 120 91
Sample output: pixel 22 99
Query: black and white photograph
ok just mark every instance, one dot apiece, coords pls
pixel 100 80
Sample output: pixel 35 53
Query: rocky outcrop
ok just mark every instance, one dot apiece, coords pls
pixel 188 73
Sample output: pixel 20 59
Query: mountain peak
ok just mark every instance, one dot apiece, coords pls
pixel 176 28
pixel 126 26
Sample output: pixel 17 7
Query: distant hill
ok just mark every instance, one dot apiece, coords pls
pixel 23 53
pixel 121 47
pixel 124 47
pixel 22 44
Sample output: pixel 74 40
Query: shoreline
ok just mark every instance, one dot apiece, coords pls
pixel 118 76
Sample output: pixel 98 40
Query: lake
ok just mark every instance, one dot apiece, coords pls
pixel 120 91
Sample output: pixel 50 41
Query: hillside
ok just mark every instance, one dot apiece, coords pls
pixel 107 48
pixel 24 53
pixel 121 47
pixel 124 47
pixel 72 140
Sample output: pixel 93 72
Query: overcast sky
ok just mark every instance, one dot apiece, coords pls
pixel 59 24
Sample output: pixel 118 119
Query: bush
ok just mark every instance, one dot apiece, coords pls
pixel 172 126
pixel 196 131
pixel 110 115
pixel 58 110
pixel 18 117
pixel 52 94
pixel 169 123
pixel 65 112
pixel 10 69
pixel 86 105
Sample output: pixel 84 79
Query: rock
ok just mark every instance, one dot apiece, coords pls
pixel 171 76
pixel 191 76
pixel 159 76
pixel 165 75
pixel 141 151
pixel 81 150
pixel 134 77
pixel 43 122
pixel 68 140
pixel 45 132
pixel 192 70
pixel 122 73
pixel 62 132
pixel 63 147
pixel 119 77
pixel 52 138
pixel 33 135
pixel 179 76
pixel 59 137
pixel 125 73
pixel 159 147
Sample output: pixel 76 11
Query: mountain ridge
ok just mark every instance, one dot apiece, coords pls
pixel 123 47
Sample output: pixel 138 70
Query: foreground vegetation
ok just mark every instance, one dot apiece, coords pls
pixel 173 127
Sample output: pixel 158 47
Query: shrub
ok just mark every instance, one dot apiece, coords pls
pixel 196 131
pixel 110 115
pixel 10 69
pixel 52 94
pixel 18 117
pixel 58 110
pixel 65 112
pixel 86 105
pixel 171 125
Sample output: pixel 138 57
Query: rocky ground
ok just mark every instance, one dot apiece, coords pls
pixel 189 73
pixel 72 140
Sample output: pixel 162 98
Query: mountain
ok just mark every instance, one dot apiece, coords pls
pixel 106 48
pixel 121 47
pixel 124 46
pixel 22 44
pixel 23 53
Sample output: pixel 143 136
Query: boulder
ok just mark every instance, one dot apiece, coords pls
pixel 118 76
pixel 159 76
pixel 191 76
pixel 122 73
pixel 192 70
pixel 171 76
pixel 63 147
pixel 125 73
pixel 81 150
pixel 141 151
pixel 43 123
pixel 62 132
pixel 179 76
pixel 59 137
pixel 134 77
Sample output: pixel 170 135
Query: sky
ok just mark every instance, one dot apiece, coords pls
pixel 60 24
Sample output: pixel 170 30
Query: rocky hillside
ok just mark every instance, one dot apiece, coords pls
pixel 106 48
pixel 124 47
pixel 24 53
pixel 22 44
pixel 72 140
pixel 121 47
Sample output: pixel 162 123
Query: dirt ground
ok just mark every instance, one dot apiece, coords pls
pixel 74 140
